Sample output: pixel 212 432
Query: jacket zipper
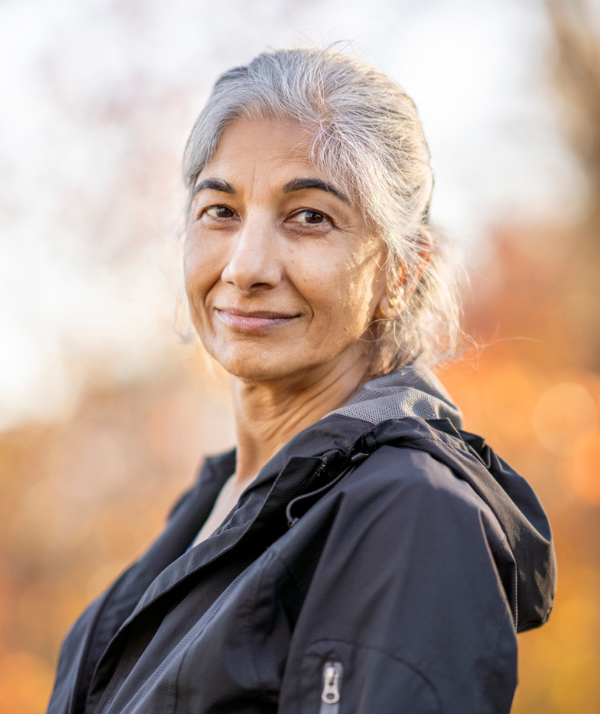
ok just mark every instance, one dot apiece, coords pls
pixel 355 460
pixel 332 688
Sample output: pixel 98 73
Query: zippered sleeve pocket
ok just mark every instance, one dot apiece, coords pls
pixel 339 677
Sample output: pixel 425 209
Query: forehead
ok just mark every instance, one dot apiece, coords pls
pixel 262 146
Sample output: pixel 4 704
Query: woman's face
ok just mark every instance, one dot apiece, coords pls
pixel 282 275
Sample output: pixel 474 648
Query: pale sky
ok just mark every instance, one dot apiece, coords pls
pixel 97 101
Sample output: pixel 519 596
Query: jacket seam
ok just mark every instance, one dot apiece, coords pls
pixel 437 440
pixel 251 609
pixel 481 698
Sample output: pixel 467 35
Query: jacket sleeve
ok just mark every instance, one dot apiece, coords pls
pixel 406 612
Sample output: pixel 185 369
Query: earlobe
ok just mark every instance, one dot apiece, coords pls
pixel 389 307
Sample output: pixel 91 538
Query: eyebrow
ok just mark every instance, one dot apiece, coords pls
pixel 300 184
pixel 214 184
pixel 297 184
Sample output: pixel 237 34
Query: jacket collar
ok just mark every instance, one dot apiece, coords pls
pixel 413 391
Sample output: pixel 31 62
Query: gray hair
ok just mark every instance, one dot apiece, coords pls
pixel 366 135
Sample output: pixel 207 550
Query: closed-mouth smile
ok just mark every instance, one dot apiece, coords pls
pixel 254 320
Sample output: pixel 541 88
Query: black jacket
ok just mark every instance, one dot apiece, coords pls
pixel 382 561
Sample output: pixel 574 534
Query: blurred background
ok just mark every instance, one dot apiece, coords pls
pixel 105 412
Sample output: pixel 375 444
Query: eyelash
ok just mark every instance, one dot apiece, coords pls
pixel 326 219
pixel 208 208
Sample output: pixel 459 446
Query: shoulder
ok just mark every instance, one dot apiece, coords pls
pixel 393 476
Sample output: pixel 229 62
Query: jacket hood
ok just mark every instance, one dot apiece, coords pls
pixel 411 408
pixel 408 392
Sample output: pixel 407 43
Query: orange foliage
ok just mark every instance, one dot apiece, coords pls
pixel 533 395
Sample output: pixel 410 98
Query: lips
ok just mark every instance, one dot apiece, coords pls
pixel 253 321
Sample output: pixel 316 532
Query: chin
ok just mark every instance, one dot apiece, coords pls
pixel 258 373
pixel 256 365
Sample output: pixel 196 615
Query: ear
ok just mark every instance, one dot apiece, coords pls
pixel 390 307
pixel 400 291
pixel 392 301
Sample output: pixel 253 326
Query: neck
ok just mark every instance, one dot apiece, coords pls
pixel 269 413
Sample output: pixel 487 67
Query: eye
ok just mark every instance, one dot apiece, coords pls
pixel 311 218
pixel 218 212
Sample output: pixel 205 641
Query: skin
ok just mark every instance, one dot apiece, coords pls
pixel 283 280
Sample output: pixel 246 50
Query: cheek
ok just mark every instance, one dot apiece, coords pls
pixel 201 269
pixel 341 296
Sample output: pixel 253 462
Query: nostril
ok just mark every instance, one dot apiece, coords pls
pixel 252 270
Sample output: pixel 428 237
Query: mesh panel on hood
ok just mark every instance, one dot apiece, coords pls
pixel 409 392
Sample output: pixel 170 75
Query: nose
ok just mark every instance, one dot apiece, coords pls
pixel 253 263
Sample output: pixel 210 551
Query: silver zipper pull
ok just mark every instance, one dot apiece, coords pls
pixel 332 684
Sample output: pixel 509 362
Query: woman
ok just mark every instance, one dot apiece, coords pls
pixel 357 551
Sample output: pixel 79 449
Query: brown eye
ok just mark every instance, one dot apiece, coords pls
pixel 219 212
pixel 311 218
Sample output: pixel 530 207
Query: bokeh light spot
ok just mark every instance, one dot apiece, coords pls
pixel 565 417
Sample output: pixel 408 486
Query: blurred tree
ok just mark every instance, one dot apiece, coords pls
pixel 576 26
